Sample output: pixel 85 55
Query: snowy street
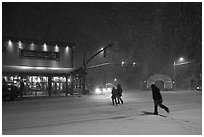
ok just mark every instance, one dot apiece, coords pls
pixel 95 114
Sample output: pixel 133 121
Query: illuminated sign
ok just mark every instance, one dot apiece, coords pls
pixel 33 54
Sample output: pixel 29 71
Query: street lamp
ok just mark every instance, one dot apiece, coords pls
pixel 176 63
pixel 85 62
pixel 181 59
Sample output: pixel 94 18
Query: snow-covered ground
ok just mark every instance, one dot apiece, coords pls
pixel 95 114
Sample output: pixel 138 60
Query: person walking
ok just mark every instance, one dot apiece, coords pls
pixel 119 94
pixel 114 95
pixel 157 99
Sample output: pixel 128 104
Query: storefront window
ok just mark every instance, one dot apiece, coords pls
pixel 58 83
pixel 13 80
pixel 37 83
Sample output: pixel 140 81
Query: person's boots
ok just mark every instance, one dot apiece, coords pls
pixel 155 110
pixel 155 113
pixel 167 110
pixel 121 101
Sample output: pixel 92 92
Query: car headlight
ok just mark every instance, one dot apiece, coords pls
pixel 97 91
pixel 109 90
pixel 104 90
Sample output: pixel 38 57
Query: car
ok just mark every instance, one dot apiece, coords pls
pixel 103 90
pixel 9 91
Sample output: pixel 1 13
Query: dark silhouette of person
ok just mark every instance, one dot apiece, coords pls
pixel 157 99
pixel 21 88
pixel 4 84
pixel 119 94
pixel 114 95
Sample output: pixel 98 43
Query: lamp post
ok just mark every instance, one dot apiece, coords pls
pixel 174 75
pixel 181 59
pixel 85 62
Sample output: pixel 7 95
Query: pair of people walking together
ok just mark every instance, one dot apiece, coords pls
pixel 117 95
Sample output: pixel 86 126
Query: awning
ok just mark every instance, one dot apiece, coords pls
pixel 36 70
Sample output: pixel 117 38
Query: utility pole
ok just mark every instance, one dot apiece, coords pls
pixel 84 76
pixel 86 62
pixel 174 76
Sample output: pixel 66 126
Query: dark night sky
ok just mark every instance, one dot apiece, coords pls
pixel 151 34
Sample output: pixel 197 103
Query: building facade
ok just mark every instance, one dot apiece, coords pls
pixel 46 69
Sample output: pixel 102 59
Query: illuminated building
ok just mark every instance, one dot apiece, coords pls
pixel 46 68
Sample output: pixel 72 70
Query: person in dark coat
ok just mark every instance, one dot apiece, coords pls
pixel 114 95
pixel 157 99
pixel 21 88
pixel 119 94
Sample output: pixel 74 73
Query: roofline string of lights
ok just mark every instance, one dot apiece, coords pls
pixel 10 40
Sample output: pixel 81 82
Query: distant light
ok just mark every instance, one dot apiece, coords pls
pixel 122 63
pixel 67 49
pixel 115 79
pixel 56 48
pixel 109 90
pixel 44 47
pixel 181 59
pixel 10 43
pixel 32 46
pixel 97 91
pixel 69 80
pixel 104 90
pixel 134 64
pixel 20 44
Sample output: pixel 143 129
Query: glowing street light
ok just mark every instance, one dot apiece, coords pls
pixel 181 59
pixel 122 63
